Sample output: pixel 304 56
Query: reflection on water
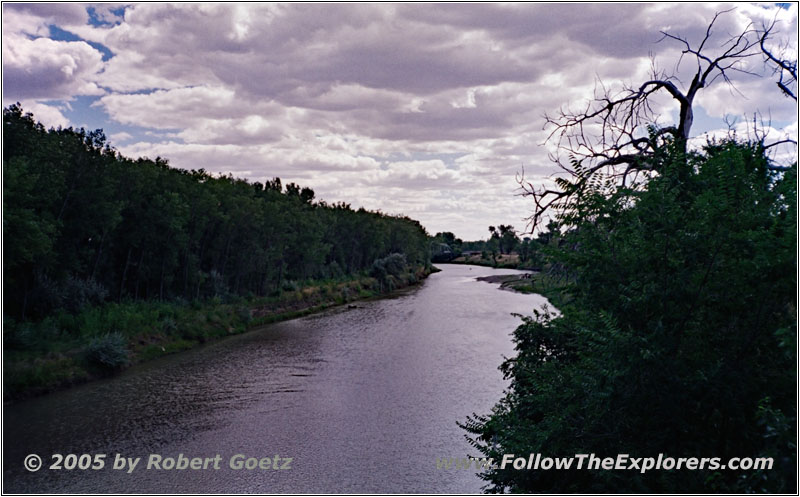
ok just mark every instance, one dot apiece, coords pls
pixel 363 400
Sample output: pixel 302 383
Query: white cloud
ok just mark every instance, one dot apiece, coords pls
pixel 35 18
pixel 42 68
pixel 779 150
pixel 116 138
pixel 429 110
pixel 50 116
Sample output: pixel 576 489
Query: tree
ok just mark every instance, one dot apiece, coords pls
pixel 493 244
pixel 445 247
pixel 83 224
pixel 677 332
pixel 678 338
pixel 626 147
pixel 508 239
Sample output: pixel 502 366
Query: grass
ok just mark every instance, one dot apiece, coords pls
pixel 503 261
pixel 554 290
pixel 67 349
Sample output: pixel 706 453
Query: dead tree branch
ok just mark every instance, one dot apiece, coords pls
pixel 617 135
pixel 784 67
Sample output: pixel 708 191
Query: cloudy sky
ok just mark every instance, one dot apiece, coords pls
pixel 428 110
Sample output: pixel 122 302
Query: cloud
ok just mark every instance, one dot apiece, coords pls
pixel 428 110
pixel 37 67
pixel 42 68
pixel 175 108
pixel 49 115
pixel 35 18
pixel 117 138
pixel 779 149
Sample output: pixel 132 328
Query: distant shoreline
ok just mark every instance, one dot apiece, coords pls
pixel 504 261
pixel 520 283
pixel 532 282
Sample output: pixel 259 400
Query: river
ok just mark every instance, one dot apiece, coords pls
pixel 364 400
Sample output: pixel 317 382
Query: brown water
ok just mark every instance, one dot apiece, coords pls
pixel 362 400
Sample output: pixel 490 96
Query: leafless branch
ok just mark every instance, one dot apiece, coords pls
pixel 785 68
pixel 617 134
pixel 780 142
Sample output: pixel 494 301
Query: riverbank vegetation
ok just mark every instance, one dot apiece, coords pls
pixel 71 348
pixel 555 290
pixel 502 249
pixel 679 336
pixel 110 260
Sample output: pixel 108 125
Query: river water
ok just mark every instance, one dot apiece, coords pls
pixel 364 400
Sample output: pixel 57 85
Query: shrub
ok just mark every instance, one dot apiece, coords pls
pixel 72 294
pixel 391 265
pixel 78 293
pixel 46 296
pixel 245 315
pixel 168 325
pixel 682 316
pixel 395 264
pixel 107 353
pixel 18 337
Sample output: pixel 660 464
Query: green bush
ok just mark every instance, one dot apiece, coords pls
pixel 107 353
pixel 71 294
pixel 679 337
pixel 168 325
pixel 245 315
pixel 392 265
pixel 20 336
pixel 40 336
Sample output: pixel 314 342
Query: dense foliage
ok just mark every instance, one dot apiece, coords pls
pixel 679 336
pixel 84 225
pixel 525 253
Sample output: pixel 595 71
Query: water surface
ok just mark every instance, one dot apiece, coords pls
pixel 362 399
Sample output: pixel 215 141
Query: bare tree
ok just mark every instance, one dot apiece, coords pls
pixel 781 64
pixel 616 136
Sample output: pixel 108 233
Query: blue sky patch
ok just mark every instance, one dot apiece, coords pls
pixel 85 112
pixel 59 34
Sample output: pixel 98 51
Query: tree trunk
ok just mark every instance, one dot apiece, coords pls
pixel 161 282
pixel 138 275
pixel 125 273
pixel 99 252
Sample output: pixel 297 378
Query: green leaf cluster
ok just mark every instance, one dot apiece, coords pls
pixel 678 338
pixel 84 225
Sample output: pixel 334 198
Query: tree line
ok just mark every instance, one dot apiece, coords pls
pixel 83 225
pixel 503 239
